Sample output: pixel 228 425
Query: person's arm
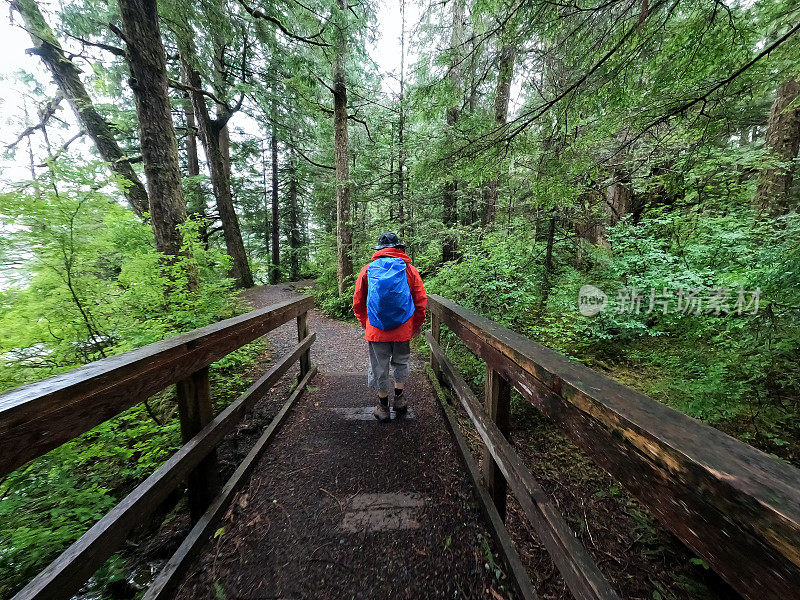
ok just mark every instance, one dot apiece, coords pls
pixel 360 298
pixel 419 296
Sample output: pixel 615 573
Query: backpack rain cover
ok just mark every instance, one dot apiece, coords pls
pixel 389 301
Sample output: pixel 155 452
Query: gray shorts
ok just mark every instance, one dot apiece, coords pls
pixel 381 355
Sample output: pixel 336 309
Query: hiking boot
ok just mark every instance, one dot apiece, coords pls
pixel 400 405
pixel 381 412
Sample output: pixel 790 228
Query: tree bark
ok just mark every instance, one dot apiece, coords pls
pixel 148 80
pixel 782 142
pixel 505 75
pixel 220 84
pixel 197 202
pixel 267 226
pixel 401 155
pixel 548 262
pixel 450 196
pixel 294 225
pixel 617 203
pixel 220 182
pixel 618 200
pixel 344 228
pixel 275 272
pixel 67 78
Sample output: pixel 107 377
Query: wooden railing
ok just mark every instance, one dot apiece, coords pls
pixel 733 505
pixel 39 417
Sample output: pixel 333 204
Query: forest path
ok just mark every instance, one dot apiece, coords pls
pixel 342 506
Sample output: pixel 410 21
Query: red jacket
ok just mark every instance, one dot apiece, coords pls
pixel 401 333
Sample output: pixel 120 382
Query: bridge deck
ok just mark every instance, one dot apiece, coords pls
pixel 343 506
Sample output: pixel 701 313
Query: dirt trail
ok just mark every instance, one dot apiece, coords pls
pixel 342 506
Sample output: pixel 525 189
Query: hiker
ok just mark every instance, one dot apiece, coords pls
pixel 389 301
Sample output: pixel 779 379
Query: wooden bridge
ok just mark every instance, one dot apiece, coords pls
pixel 732 505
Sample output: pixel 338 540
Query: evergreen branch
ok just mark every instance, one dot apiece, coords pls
pixel 46 112
pixel 118 32
pixel 107 47
pixel 533 114
pixel 364 123
pixel 178 85
pixel 307 159
pixel 63 149
pixel 704 98
pixel 260 14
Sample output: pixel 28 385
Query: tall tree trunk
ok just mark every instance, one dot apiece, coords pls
pixel 783 142
pixel 548 262
pixel 450 219
pixel 505 76
pixel 267 226
pixel 450 196
pixel 618 202
pixel 619 196
pixel 148 80
pixel 294 225
pixel 344 228
pixel 275 272
pixel 220 85
pixel 401 155
pixel 390 193
pixel 67 78
pixel 192 160
pixel 220 182
pixel 31 161
pixel 197 202
pixel 590 222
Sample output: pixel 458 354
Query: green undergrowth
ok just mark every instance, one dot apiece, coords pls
pixel 93 286
pixel 734 371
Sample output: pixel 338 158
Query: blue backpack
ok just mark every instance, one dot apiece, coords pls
pixel 389 301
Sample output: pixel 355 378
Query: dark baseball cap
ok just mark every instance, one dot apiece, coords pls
pixel 389 240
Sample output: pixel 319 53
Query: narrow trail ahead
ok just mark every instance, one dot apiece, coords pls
pixel 342 506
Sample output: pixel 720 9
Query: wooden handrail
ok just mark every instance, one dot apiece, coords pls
pixel 84 397
pixel 576 566
pixel 38 417
pixel 733 505
pixel 65 575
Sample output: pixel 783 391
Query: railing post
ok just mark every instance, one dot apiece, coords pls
pixel 302 333
pixel 436 333
pixel 195 410
pixel 498 403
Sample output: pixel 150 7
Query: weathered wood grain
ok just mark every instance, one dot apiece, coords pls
pixel 498 406
pixel 195 412
pixel 436 331
pixel 576 566
pixel 172 572
pixel 41 416
pixel 733 505
pixel 302 332
pixel 65 575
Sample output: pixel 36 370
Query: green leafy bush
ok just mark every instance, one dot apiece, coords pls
pixel 93 285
